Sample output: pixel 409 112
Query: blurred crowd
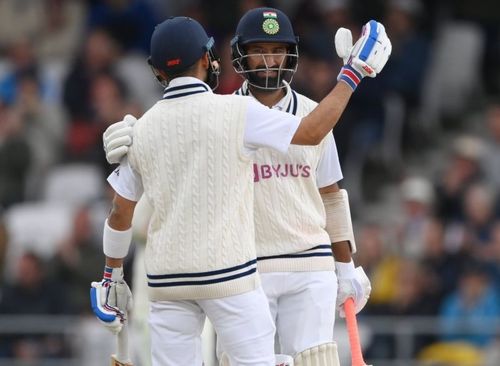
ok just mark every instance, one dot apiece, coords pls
pixel 419 147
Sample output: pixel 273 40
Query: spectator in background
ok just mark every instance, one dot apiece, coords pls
pixel 4 240
pixel 129 22
pixel 61 31
pixel 32 292
pixel 474 304
pixel 78 261
pixel 412 297
pixel 479 215
pixel 99 55
pixel 410 49
pixel 491 162
pixel 93 93
pixel 15 157
pixel 19 19
pixel 53 26
pixel 43 129
pixel 444 267
pixel 317 69
pixel 462 169
pixel 108 100
pixel 22 63
pixel 490 255
pixel 417 194
pixel 371 238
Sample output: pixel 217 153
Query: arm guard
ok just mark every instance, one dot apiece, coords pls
pixel 338 217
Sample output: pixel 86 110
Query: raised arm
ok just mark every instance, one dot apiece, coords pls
pixel 366 58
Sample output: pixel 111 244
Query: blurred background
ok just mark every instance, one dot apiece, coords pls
pixel 419 147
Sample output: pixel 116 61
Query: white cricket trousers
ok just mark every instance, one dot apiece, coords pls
pixel 303 307
pixel 243 324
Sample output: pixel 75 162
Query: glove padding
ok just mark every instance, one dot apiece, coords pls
pixel 111 300
pixel 369 54
pixel 117 138
pixel 355 285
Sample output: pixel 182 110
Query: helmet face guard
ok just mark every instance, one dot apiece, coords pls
pixel 265 25
pixel 284 71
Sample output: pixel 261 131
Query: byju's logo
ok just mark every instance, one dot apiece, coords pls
pixel 266 171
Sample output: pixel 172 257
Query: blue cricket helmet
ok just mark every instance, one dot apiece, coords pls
pixel 267 25
pixel 178 43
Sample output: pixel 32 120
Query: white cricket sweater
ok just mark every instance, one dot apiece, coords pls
pixel 289 215
pixel 188 150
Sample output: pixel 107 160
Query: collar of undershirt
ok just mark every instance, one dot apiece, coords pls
pixel 287 104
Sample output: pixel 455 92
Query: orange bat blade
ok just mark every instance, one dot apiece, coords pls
pixel 352 329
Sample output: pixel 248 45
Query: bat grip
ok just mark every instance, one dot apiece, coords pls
pixel 352 330
pixel 122 345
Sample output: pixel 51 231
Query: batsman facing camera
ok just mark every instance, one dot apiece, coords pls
pixel 272 26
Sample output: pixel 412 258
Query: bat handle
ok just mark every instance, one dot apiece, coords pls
pixel 122 345
pixel 352 330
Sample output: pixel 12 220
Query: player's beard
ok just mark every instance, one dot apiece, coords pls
pixel 273 82
pixel 266 83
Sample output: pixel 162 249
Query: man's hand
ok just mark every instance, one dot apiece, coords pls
pixel 367 57
pixel 117 138
pixel 354 283
pixel 111 299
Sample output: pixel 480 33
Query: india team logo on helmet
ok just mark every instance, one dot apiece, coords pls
pixel 265 25
pixel 270 24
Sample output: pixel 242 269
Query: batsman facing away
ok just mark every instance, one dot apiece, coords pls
pixel 204 227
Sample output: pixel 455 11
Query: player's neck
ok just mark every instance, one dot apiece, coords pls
pixel 267 97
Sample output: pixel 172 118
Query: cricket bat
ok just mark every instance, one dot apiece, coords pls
pixel 352 330
pixel 121 358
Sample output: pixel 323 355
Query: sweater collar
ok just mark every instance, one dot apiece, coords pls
pixel 185 85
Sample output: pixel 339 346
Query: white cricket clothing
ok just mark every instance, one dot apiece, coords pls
pixel 289 213
pixel 243 324
pixel 264 128
pixel 194 163
pixel 302 305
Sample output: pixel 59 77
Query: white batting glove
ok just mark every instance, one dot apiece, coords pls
pixel 354 283
pixel 367 57
pixel 117 138
pixel 111 299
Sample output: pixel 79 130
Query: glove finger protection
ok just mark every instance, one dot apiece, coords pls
pixel 111 299
pixel 343 43
pixel 367 57
pixel 111 317
pixel 120 296
pixel 380 51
